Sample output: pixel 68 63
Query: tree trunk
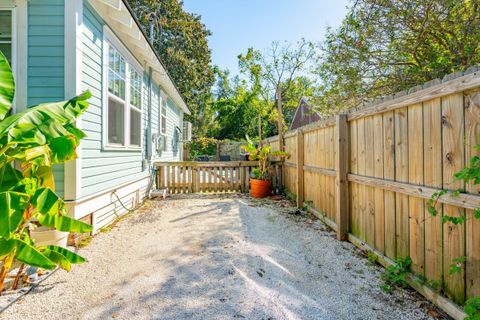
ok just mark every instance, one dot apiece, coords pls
pixel 17 277
pixel 260 143
pixel 280 119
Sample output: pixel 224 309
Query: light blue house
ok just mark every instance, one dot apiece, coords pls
pixel 59 48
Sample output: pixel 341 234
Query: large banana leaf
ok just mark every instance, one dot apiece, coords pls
pixel 6 247
pixel 46 201
pixel 63 223
pixel 49 207
pixel 46 120
pixel 57 258
pixel 12 206
pixel 63 149
pixel 45 177
pixel 71 256
pixel 29 255
pixel 9 176
pixel 63 257
pixel 7 87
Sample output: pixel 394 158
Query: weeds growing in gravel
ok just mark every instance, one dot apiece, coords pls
pixel 372 258
pixel 394 275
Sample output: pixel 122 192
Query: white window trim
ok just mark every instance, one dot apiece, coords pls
pixel 19 51
pixel 110 39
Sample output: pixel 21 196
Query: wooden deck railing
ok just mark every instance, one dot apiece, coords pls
pixel 219 176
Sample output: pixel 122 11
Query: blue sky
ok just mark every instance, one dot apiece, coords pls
pixel 239 24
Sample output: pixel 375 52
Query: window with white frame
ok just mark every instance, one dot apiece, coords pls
pixel 6 30
pixel 163 116
pixel 124 108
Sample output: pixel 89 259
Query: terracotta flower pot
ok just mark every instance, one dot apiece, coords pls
pixel 260 188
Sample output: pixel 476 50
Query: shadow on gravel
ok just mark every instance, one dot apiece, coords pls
pixel 232 260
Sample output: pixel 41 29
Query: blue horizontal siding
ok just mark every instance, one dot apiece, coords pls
pixel 46 60
pixel 102 168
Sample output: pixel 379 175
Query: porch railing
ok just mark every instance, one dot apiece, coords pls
pixel 211 177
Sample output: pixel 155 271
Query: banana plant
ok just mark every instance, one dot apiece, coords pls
pixel 31 142
pixel 262 155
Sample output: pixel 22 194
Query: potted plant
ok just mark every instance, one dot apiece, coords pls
pixel 260 180
pixel 31 142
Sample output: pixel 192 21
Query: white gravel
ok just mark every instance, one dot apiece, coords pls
pixel 211 257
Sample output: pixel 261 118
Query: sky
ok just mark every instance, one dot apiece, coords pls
pixel 239 24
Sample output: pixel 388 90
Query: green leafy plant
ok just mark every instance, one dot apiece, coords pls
pixel 472 309
pixel 372 258
pixel 395 274
pixel 30 143
pixel 263 156
pixel 469 174
pixel 457 265
pixel 202 147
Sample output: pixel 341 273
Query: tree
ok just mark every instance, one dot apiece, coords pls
pixel 278 70
pixel 236 107
pixel 182 44
pixel 384 46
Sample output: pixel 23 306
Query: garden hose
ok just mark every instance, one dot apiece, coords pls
pixel 149 188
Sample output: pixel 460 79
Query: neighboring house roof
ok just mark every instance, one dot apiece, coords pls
pixel 120 17
pixel 305 114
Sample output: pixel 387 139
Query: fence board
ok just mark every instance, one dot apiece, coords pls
pixel 389 173
pixel 415 176
pixel 369 171
pixel 472 133
pixel 401 174
pixel 432 157
pixel 379 197
pixel 354 211
pixel 362 206
pixel 453 161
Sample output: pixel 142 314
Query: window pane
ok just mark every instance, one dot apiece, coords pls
pixel 111 83
pixel 6 33
pixel 6 49
pixel 116 122
pixel 121 89
pixel 116 73
pixel 164 125
pixel 164 107
pixel 135 89
pixel 135 127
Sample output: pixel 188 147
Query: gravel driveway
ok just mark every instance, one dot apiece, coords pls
pixel 218 257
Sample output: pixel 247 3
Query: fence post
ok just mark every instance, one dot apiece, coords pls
pixel 341 182
pixel 300 168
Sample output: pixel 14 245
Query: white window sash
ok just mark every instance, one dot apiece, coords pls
pixel 111 40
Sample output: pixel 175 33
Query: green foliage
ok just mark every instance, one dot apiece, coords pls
pixel 249 101
pixel 181 41
pixel 472 308
pixel 7 89
pixel 202 146
pixel 372 258
pixel 457 265
pixel 383 47
pixel 262 155
pixel 35 139
pixel 395 274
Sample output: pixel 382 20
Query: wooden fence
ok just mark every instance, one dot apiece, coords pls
pixel 370 173
pixel 218 176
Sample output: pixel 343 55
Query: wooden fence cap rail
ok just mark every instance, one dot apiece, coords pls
pixel 209 164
